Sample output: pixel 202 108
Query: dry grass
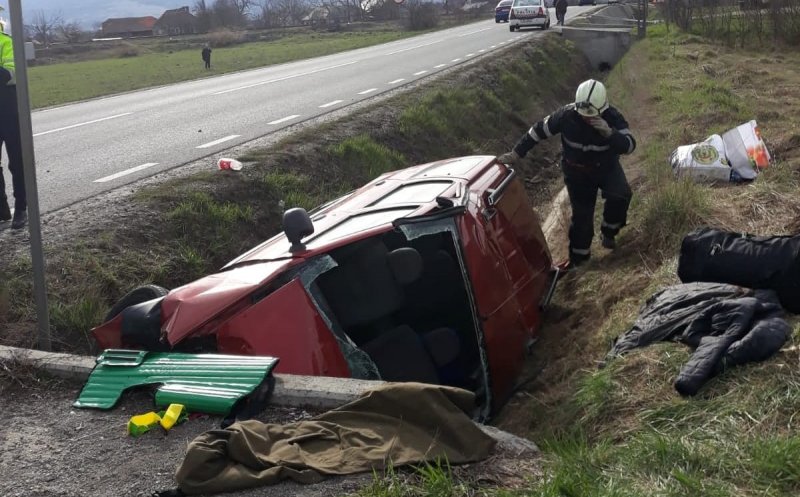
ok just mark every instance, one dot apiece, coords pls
pixel 622 429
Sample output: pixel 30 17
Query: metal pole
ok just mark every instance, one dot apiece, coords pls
pixel 29 167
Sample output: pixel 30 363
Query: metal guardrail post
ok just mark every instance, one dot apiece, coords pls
pixel 29 168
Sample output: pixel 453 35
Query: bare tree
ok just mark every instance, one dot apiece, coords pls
pixel 70 31
pixel 243 6
pixel 43 27
pixel 291 11
pixel 203 14
pixel 226 13
pixel 266 16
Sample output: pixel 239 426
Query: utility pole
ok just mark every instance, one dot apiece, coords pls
pixel 641 25
pixel 29 168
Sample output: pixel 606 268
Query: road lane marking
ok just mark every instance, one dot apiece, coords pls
pixel 455 60
pixel 125 172
pixel 481 50
pixel 473 32
pixel 493 46
pixel 217 142
pixel 284 78
pixel 415 46
pixel 396 81
pixel 330 104
pixel 284 119
pixel 440 65
pixel 419 73
pixel 367 91
pixel 82 124
pixel 469 55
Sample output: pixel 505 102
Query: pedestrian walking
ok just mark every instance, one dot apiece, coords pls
pixel 207 55
pixel 593 135
pixel 10 136
pixel 561 11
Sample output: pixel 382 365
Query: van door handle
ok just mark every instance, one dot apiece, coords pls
pixel 495 194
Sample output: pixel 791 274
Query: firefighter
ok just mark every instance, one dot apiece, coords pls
pixel 593 135
pixel 10 135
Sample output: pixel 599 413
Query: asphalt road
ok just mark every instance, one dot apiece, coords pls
pixel 90 147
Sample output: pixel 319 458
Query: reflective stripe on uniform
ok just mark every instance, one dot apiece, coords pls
pixel 580 251
pixel 614 226
pixel 532 133
pixel 546 127
pixel 586 148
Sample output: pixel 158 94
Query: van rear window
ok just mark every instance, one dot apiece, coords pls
pixel 527 3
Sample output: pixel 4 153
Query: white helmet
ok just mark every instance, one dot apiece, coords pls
pixel 590 98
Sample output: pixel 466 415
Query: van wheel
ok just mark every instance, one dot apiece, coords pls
pixel 511 28
pixel 136 296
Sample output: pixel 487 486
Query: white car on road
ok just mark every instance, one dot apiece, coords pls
pixel 528 13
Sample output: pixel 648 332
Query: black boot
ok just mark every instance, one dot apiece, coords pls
pixel 5 212
pixel 20 219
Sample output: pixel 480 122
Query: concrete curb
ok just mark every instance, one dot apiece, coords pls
pixel 290 390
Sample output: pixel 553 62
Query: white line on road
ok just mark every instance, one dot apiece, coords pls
pixel 455 60
pixel 469 55
pixel 502 43
pixel 284 119
pixel 396 81
pixel 284 78
pixel 481 50
pixel 473 32
pixel 217 142
pixel 493 46
pixel 83 124
pixel 330 104
pixel 419 73
pixel 412 48
pixel 367 91
pixel 440 65
pixel 125 172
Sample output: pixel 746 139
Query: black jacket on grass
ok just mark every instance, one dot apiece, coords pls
pixel 726 325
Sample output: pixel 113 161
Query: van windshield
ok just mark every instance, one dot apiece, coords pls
pixel 527 3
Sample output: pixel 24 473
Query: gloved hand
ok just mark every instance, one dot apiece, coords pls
pixel 601 126
pixel 5 76
pixel 509 157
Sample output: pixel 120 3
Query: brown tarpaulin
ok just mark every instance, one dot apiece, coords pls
pixel 402 423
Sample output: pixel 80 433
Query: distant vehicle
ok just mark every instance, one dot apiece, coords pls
pixel 528 13
pixel 587 2
pixel 502 10
pixel 437 273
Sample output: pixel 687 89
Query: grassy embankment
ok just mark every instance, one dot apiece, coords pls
pixel 136 65
pixel 189 227
pixel 623 430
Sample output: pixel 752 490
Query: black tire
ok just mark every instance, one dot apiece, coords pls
pixel 136 296
pixel 511 28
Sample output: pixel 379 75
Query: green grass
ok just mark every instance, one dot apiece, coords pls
pixel 73 81
pixel 363 156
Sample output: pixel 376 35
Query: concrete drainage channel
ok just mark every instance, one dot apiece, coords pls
pixel 603 35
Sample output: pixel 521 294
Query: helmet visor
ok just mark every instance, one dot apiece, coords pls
pixel 587 109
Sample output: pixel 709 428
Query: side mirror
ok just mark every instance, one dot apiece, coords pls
pixel 297 225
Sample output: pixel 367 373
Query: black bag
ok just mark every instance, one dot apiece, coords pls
pixel 772 262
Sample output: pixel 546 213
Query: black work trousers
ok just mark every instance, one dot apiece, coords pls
pixel 582 185
pixel 10 137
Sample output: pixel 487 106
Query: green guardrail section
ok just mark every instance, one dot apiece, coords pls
pixel 208 383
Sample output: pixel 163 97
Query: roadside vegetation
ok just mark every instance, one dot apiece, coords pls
pixel 133 66
pixel 188 227
pixel 78 72
pixel 620 430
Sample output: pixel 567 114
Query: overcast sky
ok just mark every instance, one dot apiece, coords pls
pixel 89 12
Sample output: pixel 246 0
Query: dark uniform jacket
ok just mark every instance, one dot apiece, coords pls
pixel 583 145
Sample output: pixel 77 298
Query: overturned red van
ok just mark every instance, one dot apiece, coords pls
pixel 436 273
